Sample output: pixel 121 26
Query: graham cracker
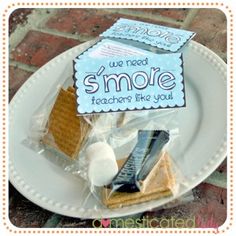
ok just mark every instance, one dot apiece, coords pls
pixel 71 89
pixel 159 184
pixel 66 130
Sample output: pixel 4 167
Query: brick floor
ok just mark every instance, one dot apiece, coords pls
pixel 23 213
pixel 175 14
pixel 210 26
pixel 93 22
pixel 69 27
pixel 208 207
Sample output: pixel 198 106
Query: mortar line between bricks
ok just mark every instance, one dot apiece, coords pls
pixel 52 221
pixel 189 18
pixel 222 55
pixel 80 38
pixel 23 66
pixel 36 19
pixel 147 15
pixel 217 179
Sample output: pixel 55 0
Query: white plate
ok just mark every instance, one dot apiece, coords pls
pixel 202 127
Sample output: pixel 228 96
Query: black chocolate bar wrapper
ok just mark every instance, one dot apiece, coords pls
pixel 160 138
pixel 125 180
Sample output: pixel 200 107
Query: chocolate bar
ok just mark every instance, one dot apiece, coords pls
pixel 125 180
pixel 160 138
pixel 140 161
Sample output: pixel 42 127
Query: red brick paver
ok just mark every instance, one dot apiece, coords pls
pixel 38 48
pixel 90 22
pixel 210 26
pixel 175 14
pixel 17 78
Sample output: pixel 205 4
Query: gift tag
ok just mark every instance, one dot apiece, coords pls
pixel 129 83
pixel 162 37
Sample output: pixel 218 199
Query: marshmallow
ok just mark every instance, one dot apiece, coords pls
pixel 102 166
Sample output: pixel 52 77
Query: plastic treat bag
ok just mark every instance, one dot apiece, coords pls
pixel 131 162
pixel 115 135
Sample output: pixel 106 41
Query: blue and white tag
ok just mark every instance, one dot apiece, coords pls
pixel 109 48
pixel 135 82
pixel 164 38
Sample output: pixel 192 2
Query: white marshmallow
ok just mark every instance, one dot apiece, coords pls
pixel 102 166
